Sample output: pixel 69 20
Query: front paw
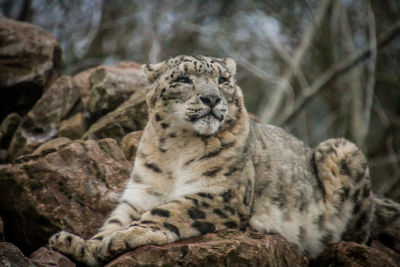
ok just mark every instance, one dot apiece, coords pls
pixel 118 243
pixel 65 242
pixel 112 245
pixel 76 247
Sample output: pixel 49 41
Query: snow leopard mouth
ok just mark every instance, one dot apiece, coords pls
pixel 210 114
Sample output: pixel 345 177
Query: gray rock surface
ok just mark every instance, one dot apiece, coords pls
pixel 45 257
pixel 1 230
pixel 82 79
pixel 73 127
pixel 29 59
pixel 111 86
pixel 41 123
pixel 72 187
pixel 7 129
pixel 11 256
pixel 51 146
pixel 226 248
pixel 128 117
pixel 353 255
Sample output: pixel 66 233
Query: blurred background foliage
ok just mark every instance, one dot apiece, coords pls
pixel 318 68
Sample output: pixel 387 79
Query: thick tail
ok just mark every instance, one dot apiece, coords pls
pixel 386 222
pixel 343 171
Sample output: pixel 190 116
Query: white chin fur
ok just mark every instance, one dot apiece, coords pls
pixel 207 126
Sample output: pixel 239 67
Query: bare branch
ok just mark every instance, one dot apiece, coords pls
pixel 381 112
pixel 82 45
pixel 225 45
pixel 341 68
pixel 288 59
pixel 384 160
pixel 275 101
pixel 371 68
pixel 353 82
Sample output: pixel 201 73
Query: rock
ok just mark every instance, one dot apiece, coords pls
pixel 128 117
pixel 82 79
pixel 226 248
pixel 130 143
pixel 1 230
pixel 11 256
pixel 73 127
pixel 111 86
pixel 7 129
pixel 353 255
pixel 379 246
pixel 41 123
pixel 44 257
pixel 51 146
pixel 73 188
pixel 29 58
pixel 3 156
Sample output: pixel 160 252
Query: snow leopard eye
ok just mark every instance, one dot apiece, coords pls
pixel 222 80
pixel 183 79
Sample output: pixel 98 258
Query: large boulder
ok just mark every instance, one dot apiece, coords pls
pixel 1 230
pixel 73 127
pixel 29 58
pixel 11 256
pixel 71 187
pixel 128 117
pixel 106 74
pixel 7 129
pixel 42 122
pixel 113 102
pixel 45 257
pixel 392 253
pixel 113 85
pixel 51 146
pixel 354 255
pixel 82 79
pixel 226 248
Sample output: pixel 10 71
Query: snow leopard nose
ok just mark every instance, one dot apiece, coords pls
pixel 210 100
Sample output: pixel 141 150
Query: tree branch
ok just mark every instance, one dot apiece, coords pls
pixel 277 98
pixel 341 68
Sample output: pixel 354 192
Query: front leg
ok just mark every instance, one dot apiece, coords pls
pixel 82 250
pixel 185 217
pixel 134 201
pixel 76 247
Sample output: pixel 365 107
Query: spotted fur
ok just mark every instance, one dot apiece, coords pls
pixel 203 166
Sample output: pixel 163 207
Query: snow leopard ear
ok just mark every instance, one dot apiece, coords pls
pixel 230 65
pixel 152 71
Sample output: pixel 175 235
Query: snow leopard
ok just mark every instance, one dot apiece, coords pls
pixel 202 166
